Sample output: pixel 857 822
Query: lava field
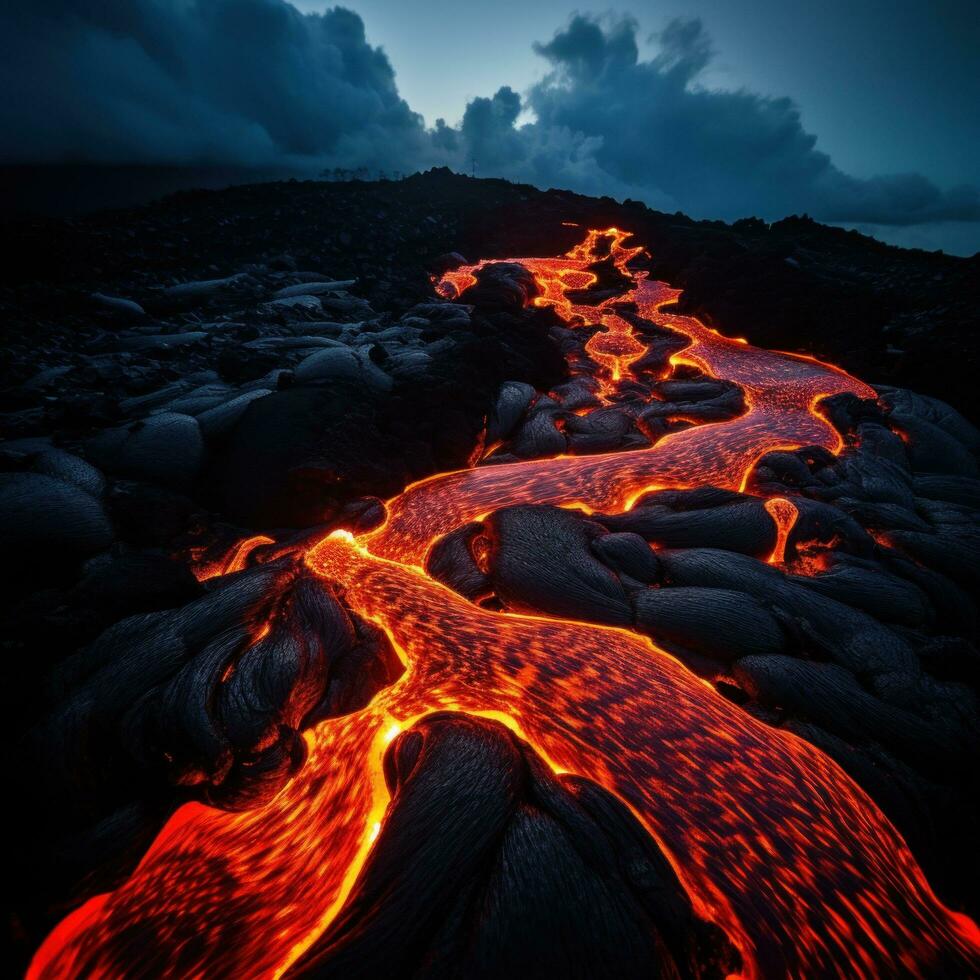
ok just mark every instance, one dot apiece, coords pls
pixel 445 578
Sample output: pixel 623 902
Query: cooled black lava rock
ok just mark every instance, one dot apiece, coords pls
pixel 489 865
pixel 167 449
pixel 275 356
pixel 502 286
pixel 46 524
pixel 294 457
pixel 204 701
pixel 539 559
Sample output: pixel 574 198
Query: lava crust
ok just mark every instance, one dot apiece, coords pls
pixel 657 656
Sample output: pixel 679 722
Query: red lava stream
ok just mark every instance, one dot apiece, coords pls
pixel 771 839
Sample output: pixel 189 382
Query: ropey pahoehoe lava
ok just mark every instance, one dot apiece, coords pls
pixel 772 841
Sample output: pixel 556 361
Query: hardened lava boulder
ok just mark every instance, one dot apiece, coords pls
pixel 490 865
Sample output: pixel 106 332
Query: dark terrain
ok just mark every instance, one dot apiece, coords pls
pixel 271 359
pixel 889 315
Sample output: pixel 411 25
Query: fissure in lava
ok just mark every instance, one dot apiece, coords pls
pixel 772 841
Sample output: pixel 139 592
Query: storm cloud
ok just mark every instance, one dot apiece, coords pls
pixel 648 128
pixel 257 83
pixel 247 82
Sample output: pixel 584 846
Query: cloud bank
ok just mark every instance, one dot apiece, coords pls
pixel 257 83
pixel 244 82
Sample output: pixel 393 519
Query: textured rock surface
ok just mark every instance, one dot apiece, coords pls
pixel 491 865
pixel 175 393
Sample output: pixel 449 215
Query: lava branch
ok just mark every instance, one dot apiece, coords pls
pixel 770 838
pixel 773 841
pixel 781 392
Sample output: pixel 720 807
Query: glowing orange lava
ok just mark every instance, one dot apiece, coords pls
pixel 235 561
pixel 783 513
pixel 770 838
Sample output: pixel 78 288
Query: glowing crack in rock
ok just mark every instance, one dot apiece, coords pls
pixel 770 838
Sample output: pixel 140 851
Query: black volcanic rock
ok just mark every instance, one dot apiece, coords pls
pixel 167 448
pixel 899 316
pixel 502 286
pixel 294 456
pixel 45 521
pixel 276 359
pixel 185 703
pixel 534 875
pixel 539 559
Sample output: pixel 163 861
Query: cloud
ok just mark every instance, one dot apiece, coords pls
pixel 257 83
pixel 712 153
pixel 196 81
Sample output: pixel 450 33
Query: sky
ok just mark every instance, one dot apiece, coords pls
pixel 878 82
pixel 860 112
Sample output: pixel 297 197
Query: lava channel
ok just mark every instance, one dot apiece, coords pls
pixel 770 838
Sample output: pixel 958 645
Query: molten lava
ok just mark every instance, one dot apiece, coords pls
pixel 783 513
pixel 770 838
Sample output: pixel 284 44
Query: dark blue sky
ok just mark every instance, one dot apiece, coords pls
pixel 859 112
pixel 886 86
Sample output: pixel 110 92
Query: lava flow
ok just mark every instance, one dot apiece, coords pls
pixel 771 839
